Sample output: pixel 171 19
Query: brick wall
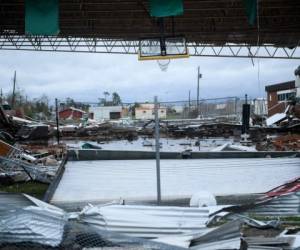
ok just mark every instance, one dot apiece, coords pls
pixel 273 105
pixel 76 115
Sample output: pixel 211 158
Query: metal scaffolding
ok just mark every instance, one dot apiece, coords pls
pixel 10 41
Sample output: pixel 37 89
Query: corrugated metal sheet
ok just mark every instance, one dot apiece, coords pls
pixel 103 181
pixel 13 201
pixel 233 243
pixel 32 224
pixel 226 236
pixel 284 205
pixel 263 248
pixel 146 221
pixel 277 242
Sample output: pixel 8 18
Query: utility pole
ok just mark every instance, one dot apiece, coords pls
pixel 157 145
pixel 14 89
pixel 57 123
pixel 199 75
pixel 1 97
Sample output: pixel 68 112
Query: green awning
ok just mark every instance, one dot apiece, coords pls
pixel 251 10
pixel 165 8
pixel 41 17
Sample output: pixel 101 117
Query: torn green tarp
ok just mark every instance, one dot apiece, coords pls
pixel 164 8
pixel 251 10
pixel 41 17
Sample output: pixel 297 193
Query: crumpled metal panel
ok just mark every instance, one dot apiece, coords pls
pixel 279 242
pixel 145 221
pixel 263 248
pixel 13 201
pixel 32 224
pixel 284 205
pixel 233 243
pixel 40 173
pixel 226 236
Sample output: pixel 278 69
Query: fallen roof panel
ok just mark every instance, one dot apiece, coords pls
pixel 135 180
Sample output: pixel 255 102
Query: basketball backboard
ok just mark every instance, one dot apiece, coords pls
pixel 161 48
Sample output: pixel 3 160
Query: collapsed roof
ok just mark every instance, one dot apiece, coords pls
pixel 207 21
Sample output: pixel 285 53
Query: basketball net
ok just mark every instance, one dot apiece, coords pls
pixel 163 64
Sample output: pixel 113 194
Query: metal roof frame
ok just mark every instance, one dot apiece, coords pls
pixel 217 28
pixel 118 46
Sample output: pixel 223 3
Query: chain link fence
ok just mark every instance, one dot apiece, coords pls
pixel 230 107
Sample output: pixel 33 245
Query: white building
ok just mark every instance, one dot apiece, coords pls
pixel 106 112
pixel 146 112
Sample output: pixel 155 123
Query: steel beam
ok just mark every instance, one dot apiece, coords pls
pixel 116 46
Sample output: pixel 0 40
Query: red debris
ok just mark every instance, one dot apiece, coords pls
pixel 289 187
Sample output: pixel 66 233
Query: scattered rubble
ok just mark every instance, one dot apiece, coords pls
pixel 18 165
pixel 26 221
pixel 233 147
pixel 290 142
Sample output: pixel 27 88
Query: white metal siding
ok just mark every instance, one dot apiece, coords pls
pixel 99 181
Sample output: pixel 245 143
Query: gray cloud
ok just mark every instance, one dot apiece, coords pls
pixel 84 77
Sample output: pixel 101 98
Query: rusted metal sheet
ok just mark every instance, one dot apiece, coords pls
pixel 5 149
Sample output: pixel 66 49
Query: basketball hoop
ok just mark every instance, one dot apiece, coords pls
pixel 152 49
pixel 163 64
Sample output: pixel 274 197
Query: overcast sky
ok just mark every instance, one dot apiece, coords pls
pixel 85 77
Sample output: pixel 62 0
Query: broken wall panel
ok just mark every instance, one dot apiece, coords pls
pixel 103 181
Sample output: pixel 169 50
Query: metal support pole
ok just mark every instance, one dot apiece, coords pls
pixel 189 110
pixel 57 123
pixel 198 91
pixel 157 145
pixel 198 95
pixel 14 91
pixel 235 106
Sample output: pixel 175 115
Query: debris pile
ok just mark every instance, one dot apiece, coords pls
pixel 98 131
pixel 225 130
pixel 290 142
pixel 26 221
pixel 18 165
pixel 287 143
